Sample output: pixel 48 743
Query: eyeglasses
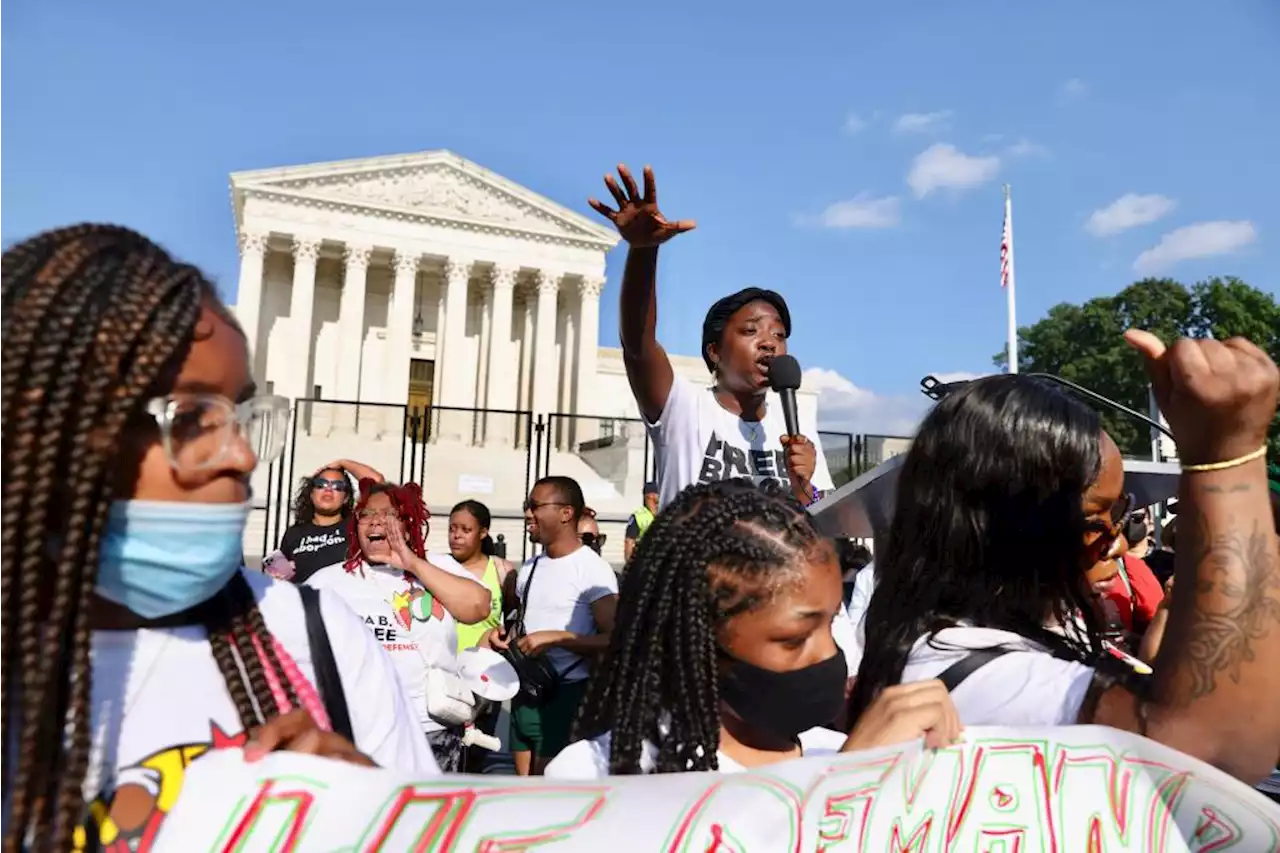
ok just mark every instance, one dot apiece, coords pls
pixel 199 430
pixel 533 506
pixel 329 485
pixel 367 515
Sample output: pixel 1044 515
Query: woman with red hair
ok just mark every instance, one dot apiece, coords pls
pixel 412 601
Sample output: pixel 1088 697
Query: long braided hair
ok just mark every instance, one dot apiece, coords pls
pixel 96 320
pixel 717 551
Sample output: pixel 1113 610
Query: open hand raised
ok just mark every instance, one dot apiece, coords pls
pixel 1219 396
pixel 637 218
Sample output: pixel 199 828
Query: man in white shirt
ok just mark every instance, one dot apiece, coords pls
pixel 567 597
pixel 731 429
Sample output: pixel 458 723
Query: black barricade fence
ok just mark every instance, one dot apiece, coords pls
pixel 838 448
pixel 492 456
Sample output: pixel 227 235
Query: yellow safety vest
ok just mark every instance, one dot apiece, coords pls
pixel 643 519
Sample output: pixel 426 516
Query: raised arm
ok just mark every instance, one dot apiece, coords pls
pixel 1217 679
pixel 359 470
pixel 466 599
pixel 644 228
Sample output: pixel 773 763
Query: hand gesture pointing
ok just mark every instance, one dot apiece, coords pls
pixel 1219 396
pixel 637 218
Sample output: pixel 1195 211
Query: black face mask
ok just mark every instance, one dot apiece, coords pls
pixel 1135 530
pixel 786 703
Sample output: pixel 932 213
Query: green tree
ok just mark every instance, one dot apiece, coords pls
pixel 1083 342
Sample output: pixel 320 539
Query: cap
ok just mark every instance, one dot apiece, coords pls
pixel 650 488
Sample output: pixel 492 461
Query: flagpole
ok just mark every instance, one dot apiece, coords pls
pixel 1010 288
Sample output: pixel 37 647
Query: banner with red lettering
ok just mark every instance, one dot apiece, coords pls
pixel 1082 788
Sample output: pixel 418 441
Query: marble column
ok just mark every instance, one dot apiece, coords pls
pixel 402 307
pixel 450 337
pixel 502 368
pixel 545 372
pixel 253 252
pixel 400 316
pixel 351 334
pixel 301 303
pixel 528 307
pixel 588 342
pixel 566 354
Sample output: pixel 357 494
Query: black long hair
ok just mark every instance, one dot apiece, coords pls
pixel 97 320
pixel 304 510
pixel 481 514
pixel 988 525
pixel 717 550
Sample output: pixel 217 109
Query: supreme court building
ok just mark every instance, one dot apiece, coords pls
pixel 425 280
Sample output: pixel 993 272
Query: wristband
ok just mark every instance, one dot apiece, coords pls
pixel 1229 463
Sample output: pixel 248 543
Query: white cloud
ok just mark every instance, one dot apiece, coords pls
pixel 1073 88
pixel 922 122
pixel 1201 240
pixel 861 211
pixel 845 407
pixel 1026 148
pixel 943 166
pixel 1128 211
pixel 855 124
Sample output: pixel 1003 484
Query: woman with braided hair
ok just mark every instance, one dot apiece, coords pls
pixel 410 600
pixel 722 656
pixel 132 640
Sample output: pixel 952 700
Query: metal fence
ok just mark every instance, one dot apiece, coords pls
pixel 489 455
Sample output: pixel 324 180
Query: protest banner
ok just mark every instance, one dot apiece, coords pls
pixel 1083 788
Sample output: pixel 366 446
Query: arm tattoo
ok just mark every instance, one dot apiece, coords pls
pixel 1237 602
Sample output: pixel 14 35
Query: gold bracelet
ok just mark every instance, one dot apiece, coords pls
pixel 1230 463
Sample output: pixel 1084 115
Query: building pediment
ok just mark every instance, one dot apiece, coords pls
pixel 435 185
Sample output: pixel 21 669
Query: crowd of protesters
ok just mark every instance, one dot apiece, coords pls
pixel 1007 590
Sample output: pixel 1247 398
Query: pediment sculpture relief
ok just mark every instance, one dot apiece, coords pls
pixel 435 189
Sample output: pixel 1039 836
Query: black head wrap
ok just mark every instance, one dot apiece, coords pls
pixel 718 315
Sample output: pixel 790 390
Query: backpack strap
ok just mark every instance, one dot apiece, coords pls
pixel 952 676
pixel 328 679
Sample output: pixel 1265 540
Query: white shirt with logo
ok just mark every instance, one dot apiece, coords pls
pixel 697 441
pixel 589 759
pixel 410 623
pixel 159 702
pixel 562 593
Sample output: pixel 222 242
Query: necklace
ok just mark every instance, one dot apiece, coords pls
pixel 754 430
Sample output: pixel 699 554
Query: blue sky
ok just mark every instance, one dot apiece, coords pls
pixel 760 120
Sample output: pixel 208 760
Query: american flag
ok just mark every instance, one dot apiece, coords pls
pixel 1006 248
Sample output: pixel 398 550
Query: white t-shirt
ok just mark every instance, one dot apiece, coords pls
pixel 159 702
pixel 863 585
pixel 563 591
pixel 1021 688
pixel 589 759
pixel 697 441
pixel 411 624
pixel 846 637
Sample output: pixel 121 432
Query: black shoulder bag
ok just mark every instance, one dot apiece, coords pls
pixel 328 679
pixel 952 676
pixel 539 680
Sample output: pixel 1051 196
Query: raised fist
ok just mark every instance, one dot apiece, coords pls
pixel 1219 396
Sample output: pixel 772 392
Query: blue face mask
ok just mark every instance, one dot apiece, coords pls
pixel 159 558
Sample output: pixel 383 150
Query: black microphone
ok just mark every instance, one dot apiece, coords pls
pixel 784 378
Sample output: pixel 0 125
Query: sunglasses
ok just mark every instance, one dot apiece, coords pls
pixel 1119 512
pixel 594 542
pixel 329 485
